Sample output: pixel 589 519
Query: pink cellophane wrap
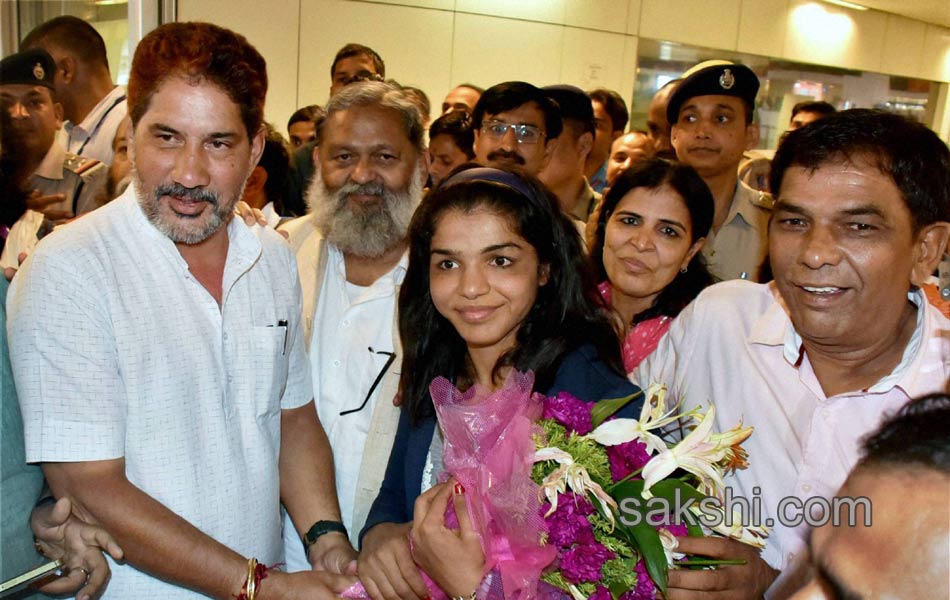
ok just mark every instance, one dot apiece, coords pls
pixel 489 449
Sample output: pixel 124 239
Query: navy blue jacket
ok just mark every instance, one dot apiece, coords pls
pixel 581 374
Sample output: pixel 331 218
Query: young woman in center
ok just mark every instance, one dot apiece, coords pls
pixel 496 281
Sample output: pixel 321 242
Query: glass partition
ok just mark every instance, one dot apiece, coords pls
pixel 783 84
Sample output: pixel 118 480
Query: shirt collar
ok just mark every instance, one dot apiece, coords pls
pixel 97 113
pixel 742 207
pixel 774 328
pixel 394 277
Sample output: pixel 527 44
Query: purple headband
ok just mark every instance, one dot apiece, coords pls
pixel 505 178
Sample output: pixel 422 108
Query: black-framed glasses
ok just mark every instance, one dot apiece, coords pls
pixel 379 377
pixel 525 134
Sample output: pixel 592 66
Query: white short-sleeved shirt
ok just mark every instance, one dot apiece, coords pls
pixel 735 346
pixel 118 351
pixel 93 137
pixel 348 321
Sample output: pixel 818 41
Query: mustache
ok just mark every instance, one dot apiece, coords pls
pixel 506 155
pixel 374 188
pixel 180 191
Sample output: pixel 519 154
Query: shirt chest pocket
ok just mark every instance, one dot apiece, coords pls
pixel 261 364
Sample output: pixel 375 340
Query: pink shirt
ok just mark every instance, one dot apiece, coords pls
pixel 735 346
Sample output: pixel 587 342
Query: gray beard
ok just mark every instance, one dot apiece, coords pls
pixel 184 231
pixel 366 231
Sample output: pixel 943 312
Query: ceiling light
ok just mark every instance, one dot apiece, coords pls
pixel 846 4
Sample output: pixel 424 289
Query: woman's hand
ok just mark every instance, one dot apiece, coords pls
pixel 61 535
pixel 452 558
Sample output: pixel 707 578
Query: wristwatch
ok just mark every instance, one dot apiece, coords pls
pixel 321 528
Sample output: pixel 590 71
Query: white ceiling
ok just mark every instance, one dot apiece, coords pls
pixel 930 11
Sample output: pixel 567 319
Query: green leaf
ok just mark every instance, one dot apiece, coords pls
pixel 645 537
pixel 605 408
pixel 617 589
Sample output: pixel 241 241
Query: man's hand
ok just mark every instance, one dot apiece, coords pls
pixel 451 557
pixel 40 203
pixel 734 582
pixel 306 585
pixel 332 552
pixel 61 535
pixel 386 567
pixel 9 272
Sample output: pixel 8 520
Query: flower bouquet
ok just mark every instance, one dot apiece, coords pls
pixel 613 487
pixel 559 490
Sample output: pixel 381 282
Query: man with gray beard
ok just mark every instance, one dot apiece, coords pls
pixel 351 257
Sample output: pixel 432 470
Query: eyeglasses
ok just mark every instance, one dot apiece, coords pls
pixel 379 377
pixel 525 134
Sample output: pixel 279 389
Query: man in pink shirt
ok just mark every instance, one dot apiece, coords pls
pixel 842 336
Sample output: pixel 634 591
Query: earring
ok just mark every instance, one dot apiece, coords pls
pixel 683 270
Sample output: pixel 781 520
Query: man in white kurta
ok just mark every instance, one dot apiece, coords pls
pixel 158 351
pixel 119 351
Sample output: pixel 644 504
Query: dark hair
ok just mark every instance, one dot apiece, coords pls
pixel 614 105
pixel 199 52
pixel 458 126
pixel 421 101
pixel 819 107
pixel 351 50
pixel 576 108
pixel 654 173
pixel 566 314
pixel 512 94
pixel 909 153
pixel 312 114
pixel 69 33
pixel 916 435
pixel 275 160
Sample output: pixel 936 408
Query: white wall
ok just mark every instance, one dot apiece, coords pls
pixel 436 44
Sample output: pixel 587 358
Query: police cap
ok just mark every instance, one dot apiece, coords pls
pixel 713 78
pixel 32 67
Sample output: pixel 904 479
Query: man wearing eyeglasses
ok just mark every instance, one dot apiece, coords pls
pixel 516 124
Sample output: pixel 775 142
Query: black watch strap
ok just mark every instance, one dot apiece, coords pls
pixel 321 528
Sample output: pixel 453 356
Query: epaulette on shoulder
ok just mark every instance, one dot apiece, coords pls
pixel 763 200
pixel 80 165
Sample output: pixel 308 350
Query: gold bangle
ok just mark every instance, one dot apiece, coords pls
pixel 472 597
pixel 251 580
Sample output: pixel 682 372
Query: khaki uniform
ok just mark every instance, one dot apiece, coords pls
pixel 81 179
pixel 741 245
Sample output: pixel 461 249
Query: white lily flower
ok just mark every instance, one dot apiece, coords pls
pixel 669 546
pixel 574 476
pixel 753 535
pixel 653 416
pixel 696 453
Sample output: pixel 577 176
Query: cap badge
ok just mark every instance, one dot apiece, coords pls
pixel 38 71
pixel 727 79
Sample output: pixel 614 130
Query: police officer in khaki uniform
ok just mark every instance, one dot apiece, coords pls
pixel 711 112
pixel 65 185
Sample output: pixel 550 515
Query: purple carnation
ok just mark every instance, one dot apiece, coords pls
pixel 568 525
pixel 627 458
pixel 601 593
pixel 677 529
pixel 645 589
pixel 572 413
pixel 582 563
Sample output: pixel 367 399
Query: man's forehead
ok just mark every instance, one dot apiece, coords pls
pixel 354 63
pixel 713 101
pixel 24 89
pixel 528 113
pixel 387 124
